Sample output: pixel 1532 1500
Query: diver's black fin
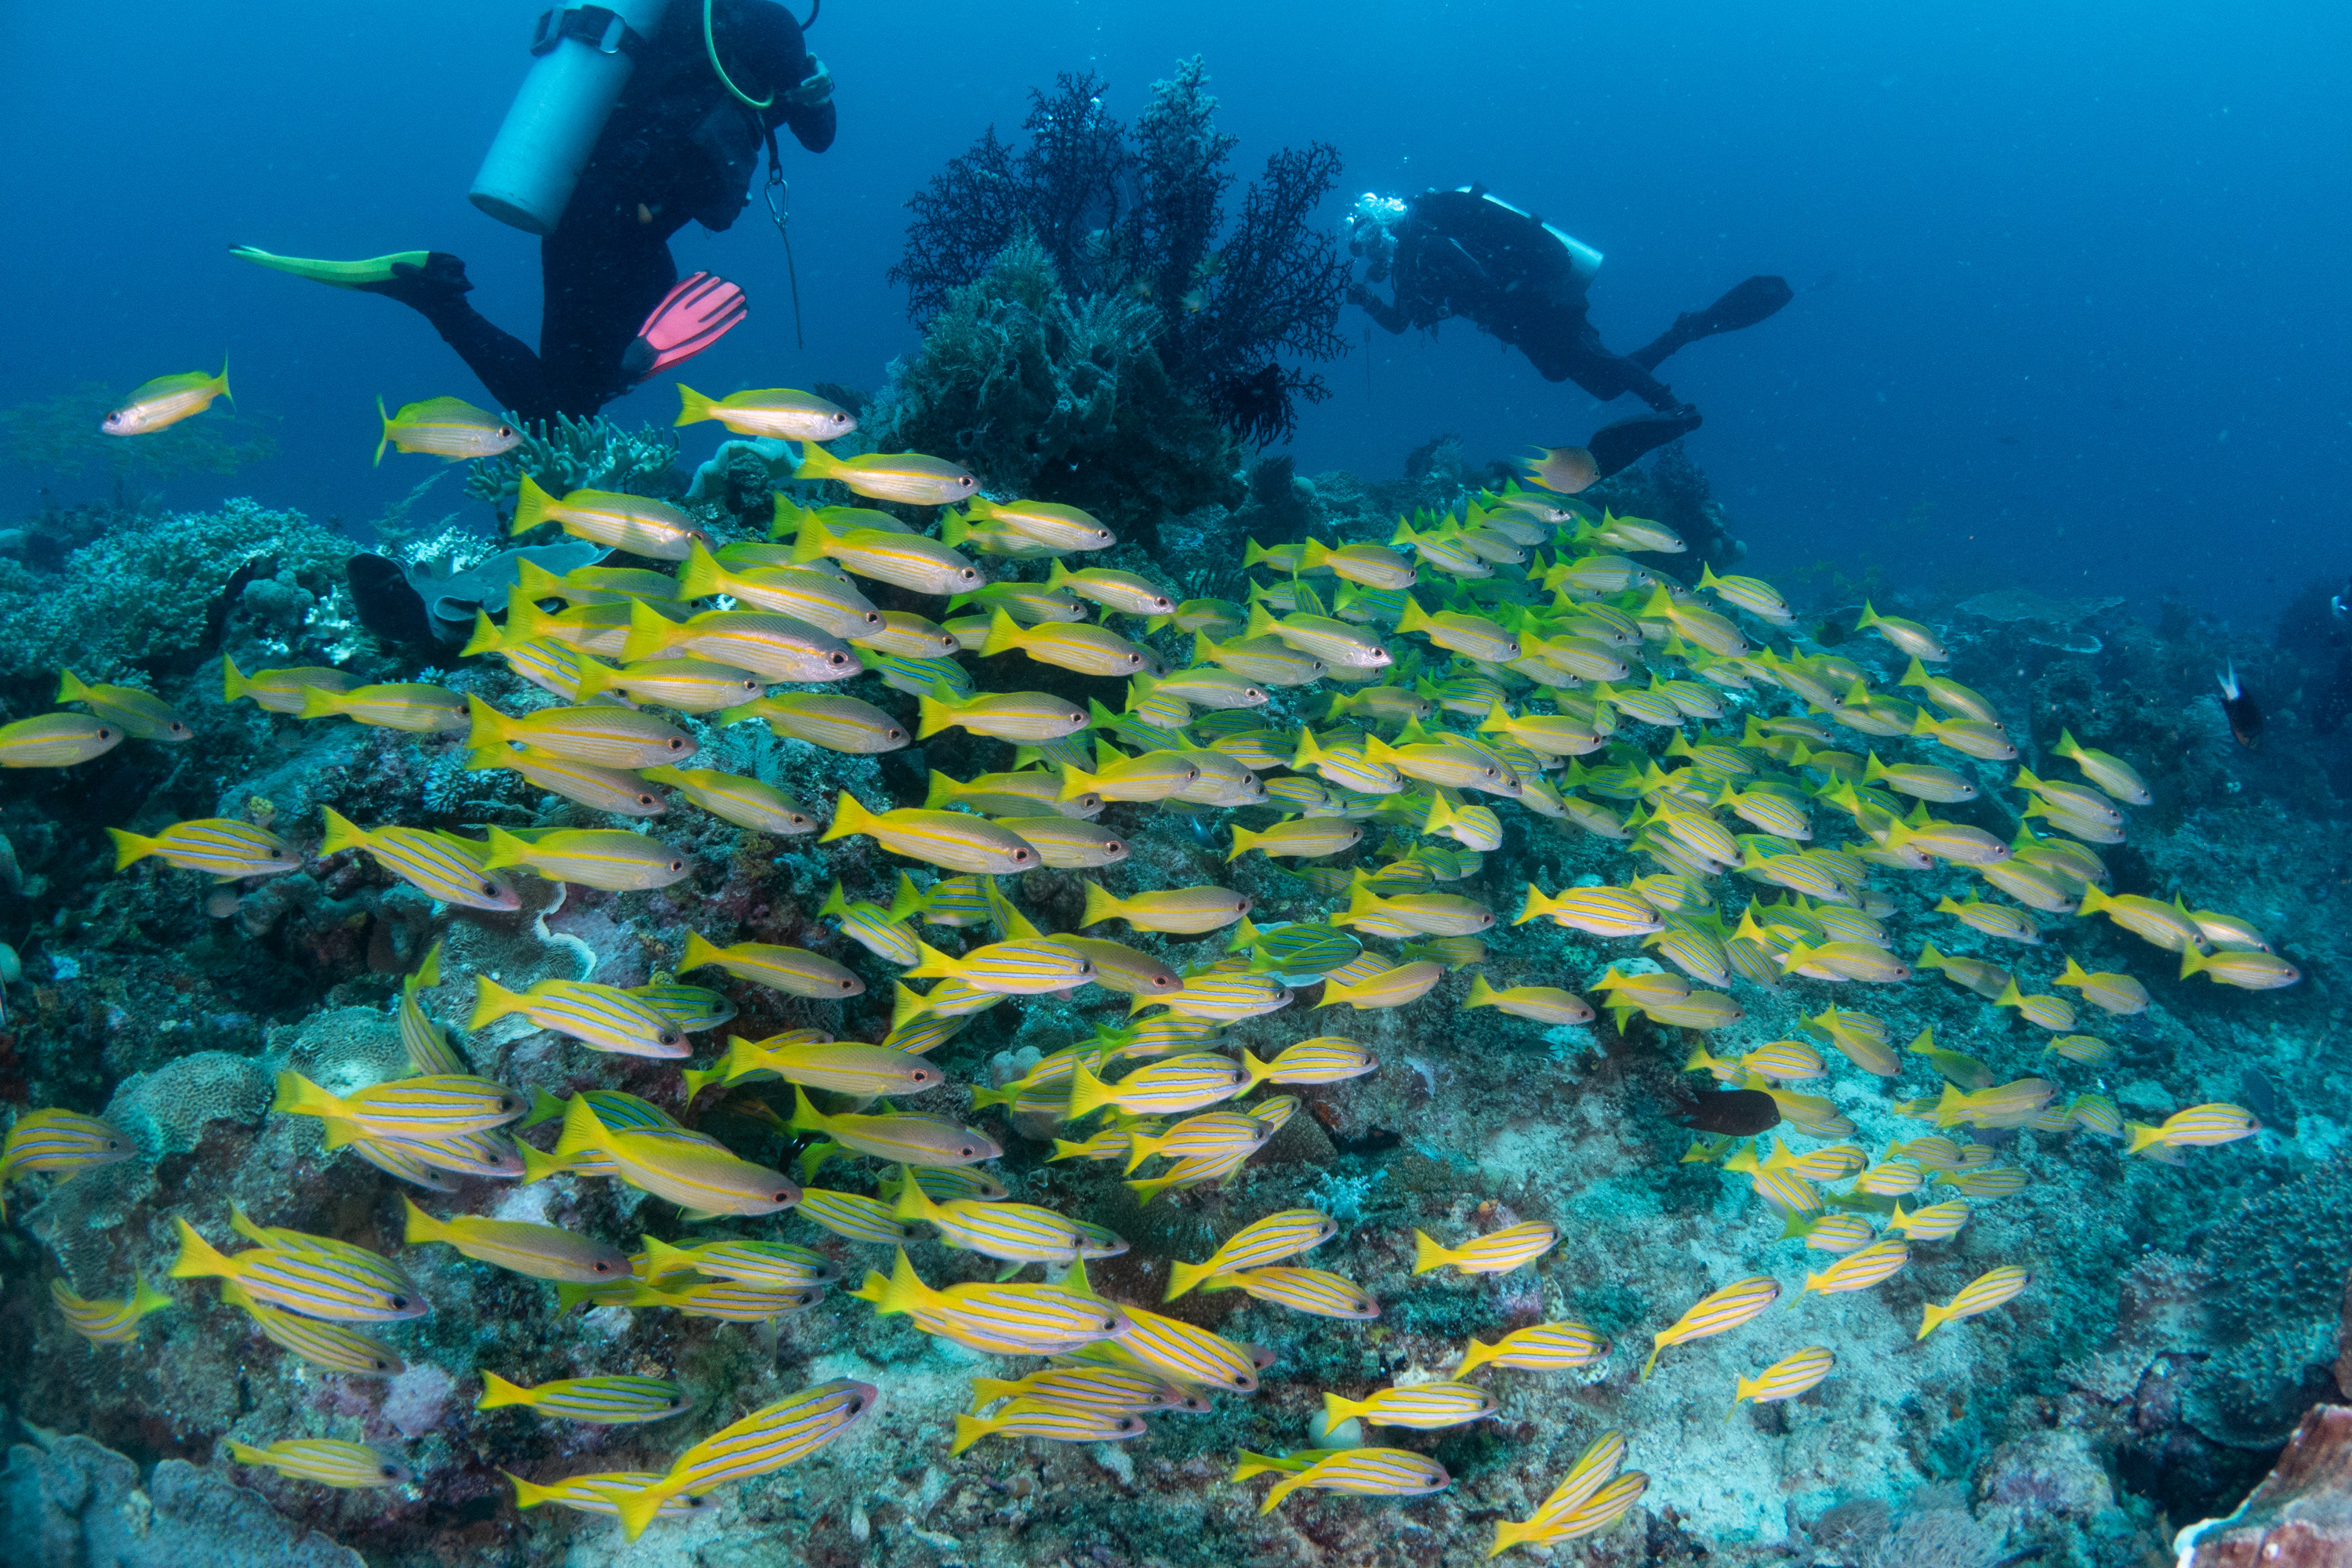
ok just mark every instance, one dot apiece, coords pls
pixel 1622 445
pixel 1746 304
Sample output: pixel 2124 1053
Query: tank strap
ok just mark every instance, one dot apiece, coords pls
pixel 598 26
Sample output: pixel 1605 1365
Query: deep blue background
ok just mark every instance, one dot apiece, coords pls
pixel 2068 275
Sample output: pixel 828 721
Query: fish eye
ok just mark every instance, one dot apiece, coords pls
pixel 838 659
pixel 678 864
pixel 602 1266
pixel 105 734
pixel 644 800
pixel 895 733
pixel 1020 857
pixel 398 1302
pixel 783 1197
pixel 277 854
pixel 490 890
pixel 380 1364
pixel 797 820
pixel 391 1473
pixel 677 742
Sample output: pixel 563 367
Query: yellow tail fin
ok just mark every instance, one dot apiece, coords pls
pixel 532 506
pixel 1427 1255
pixel 693 407
pixel 129 848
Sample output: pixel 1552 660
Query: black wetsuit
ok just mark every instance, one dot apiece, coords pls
pixel 677 149
pixel 1460 254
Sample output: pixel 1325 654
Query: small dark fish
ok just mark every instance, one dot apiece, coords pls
pixel 2245 715
pixel 1730 1112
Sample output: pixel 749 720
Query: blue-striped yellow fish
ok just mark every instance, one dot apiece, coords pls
pixel 1717 1312
pixel 1163 1087
pixel 2199 1126
pixel 768 1440
pixel 219 847
pixel 322 1345
pixel 1315 1291
pixel 601 1017
pixel 1056 1423
pixel 769 1265
pixel 346 1285
pixel 1995 1288
pixel 599 1493
pixel 437 865
pixel 106 1321
pixel 610 1401
pixel 1496 1252
pixel 1542 1347
pixel 1426 1407
pixel 328 1461
pixel 1326 1058
pixel 1018 1233
pixel 1262 1242
pixel 1368 1472
pixel 410 1108
pixel 63 1143
pixel 540 1251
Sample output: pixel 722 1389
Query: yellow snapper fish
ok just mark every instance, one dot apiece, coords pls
pixel 167 400
pixel 107 1322
pixel 1496 1252
pixel 414 706
pixel 908 477
pixel 778 413
pixel 327 1461
pixel 1720 1312
pixel 1986 1291
pixel 768 1440
pixel 540 1251
pixel 605 857
pixel 220 845
pixel 279 690
pixel 141 715
pixel 1589 1499
pixel 448 427
pixel 637 524
pixel 1367 1472
pixel 57 740
pixel 2199 1126
pixel 1786 1378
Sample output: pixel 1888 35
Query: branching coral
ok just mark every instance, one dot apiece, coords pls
pixel 1056 398
pixel 1223 314
pixel 144 595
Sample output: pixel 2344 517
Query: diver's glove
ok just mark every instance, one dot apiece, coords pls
pixel 817 89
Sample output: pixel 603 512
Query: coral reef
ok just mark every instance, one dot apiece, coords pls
pixel 1224 305
pixel 2182 1321
pixel 150 595
pixel 1057 400
pixel 67 1500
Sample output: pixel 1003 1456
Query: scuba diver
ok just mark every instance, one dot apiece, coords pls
pixel 634 120
pixel 1463 253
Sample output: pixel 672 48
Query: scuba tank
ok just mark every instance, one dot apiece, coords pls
pixel 1583 261
pixel 583 56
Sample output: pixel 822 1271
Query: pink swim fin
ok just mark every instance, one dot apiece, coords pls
pixel 696 313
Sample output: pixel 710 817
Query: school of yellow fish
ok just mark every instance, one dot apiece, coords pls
pixel 1464 667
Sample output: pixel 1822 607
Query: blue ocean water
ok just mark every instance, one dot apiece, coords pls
pixel 2067 305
